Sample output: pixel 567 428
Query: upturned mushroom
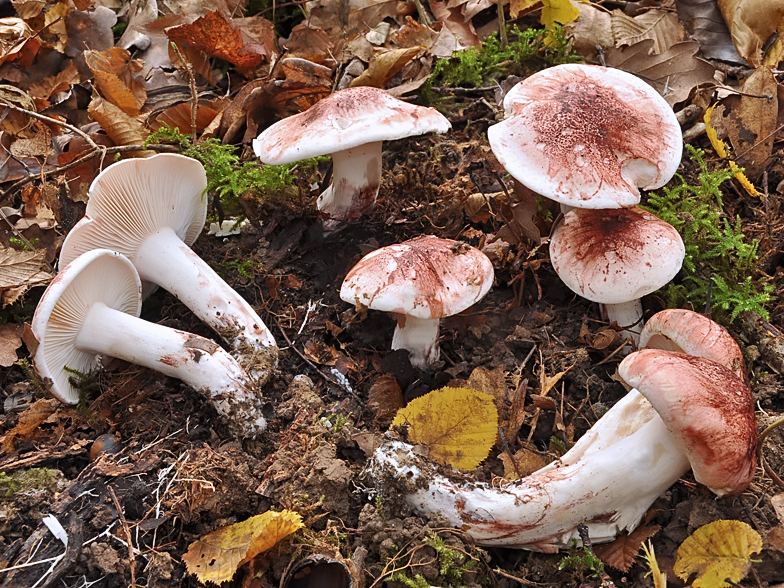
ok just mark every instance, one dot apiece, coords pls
pixel 421 281
pixel 615 257
pixel 614 472
pixel 151 210
pixel 350 125
pixel 91 310
pixel 587 136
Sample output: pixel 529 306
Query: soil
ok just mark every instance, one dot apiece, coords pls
pixel 179 474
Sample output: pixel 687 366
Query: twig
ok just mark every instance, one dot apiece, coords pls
pixel 760 442
pixel 124 523
pixel 49 119
pixel 194 93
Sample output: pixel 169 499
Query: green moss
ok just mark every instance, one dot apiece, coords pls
pixel 581 561
pixel 721 263
pixel 452 564
pixel 527 52
pixel 34 478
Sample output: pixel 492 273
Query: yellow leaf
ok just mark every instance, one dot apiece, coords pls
pixel 721 151
pixel 458 425
pixel 558 11
pixel 717 551
pixel 518 6
pixel 383 66
pixel 216 556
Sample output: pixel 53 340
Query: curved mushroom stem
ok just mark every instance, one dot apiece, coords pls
pixel 607 482
pixel 164 259
pixel 628 315
pixel 356 176
pixel 419 337
pixel 202 364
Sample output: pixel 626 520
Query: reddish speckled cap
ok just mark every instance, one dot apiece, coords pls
pixel 587 136
pixel 705 406
pixel 686 331
pixel 615 256
pixel 345 120
pixel 426 277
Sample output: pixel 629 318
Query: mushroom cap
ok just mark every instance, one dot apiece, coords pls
pixel 615 256
pixel 344 120
pixel 99 275
pixel 686 331
pixel 705 406
pixel 426 277
pixel 134 198
pixel 587 136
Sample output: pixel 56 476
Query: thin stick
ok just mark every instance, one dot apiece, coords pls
pixel 760 442
pixel 124 523
pixel 194 94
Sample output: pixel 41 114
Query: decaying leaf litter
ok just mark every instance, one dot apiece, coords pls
pixel 541 353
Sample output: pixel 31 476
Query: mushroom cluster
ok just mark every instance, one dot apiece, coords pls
pixel 687 409
pixel 590 137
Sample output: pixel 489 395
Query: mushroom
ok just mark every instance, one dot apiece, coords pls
pixel 151 210
pixel 421 281
pixel 587 136
pixel 350 125
pixel 91 309
pixel 614 472
pixel 706 407
pixel 615 257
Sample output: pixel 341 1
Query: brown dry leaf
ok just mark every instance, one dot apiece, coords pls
pixel 29 421
pixel 717 551
pixel 309 42
pixel 216 556
pixel 385 398
pixel 28 9
pixel 527 463
pixel 751 24
pixel 17 42
pixel 20 271
pixel 549 381
pixel 601 339
pixel 90 30
pixel 218 35
pixel 490 382
pixel 453 21
pixel 121 128
pixel 520 7
pixel 458 425
pixel 704 22
pixel 343 19
pixel 10 341
pixel 384 65
pixel 54 26
pixel 751 126
pixel 40 145
pixel 115 76
pixel 775 538
pixel 179 116
pixel 593 27
pixel 621 553
pixel 53 84
pixel 778 506
pixel 663 27
pixel 414 34
pixel 677 70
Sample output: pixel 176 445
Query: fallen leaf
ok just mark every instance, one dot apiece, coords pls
pixel 342 19
pixel 384 66
pixel 527 462
pixel 122 128
pixel 458 425
pixel 28 9
pixel 674 73
pixel 116 76
pixel 558 11
pixel 463 31
pixel 778 506
pixel 20 271
pixel 663 27
pixel 89 30
pixel 217 556
pixel 17 42
pixel 519 7
pixel 309 42
pixel 711 117
pixel 751 24
pixel 622 553
pixel 593 27
pixel 705 24
pixel 385 398
pixel 53 84
pixel 29 421
pixel 717 551
pixel 10 341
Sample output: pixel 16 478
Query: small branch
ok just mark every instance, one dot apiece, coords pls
pixel 760 442
pixel 50 120
pixel 194 93
pixel 124 523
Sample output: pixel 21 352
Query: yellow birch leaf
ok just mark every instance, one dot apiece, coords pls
pixel 558 11
pixel 716 552
pixel 217 556
pixel 458 425
pixel 721 151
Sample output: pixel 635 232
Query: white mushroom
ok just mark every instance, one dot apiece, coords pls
pixel 350 125
pixel 91 309
pixel 151 210
pixel 421 281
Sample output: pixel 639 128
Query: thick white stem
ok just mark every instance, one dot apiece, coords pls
pixel 626 314
pixel 419 337
pixel 606 482
pixel 202 364
pixel 165 260
pixel 356 176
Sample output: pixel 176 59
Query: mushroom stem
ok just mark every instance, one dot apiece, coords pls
pixel 356 177
pixel 607 482
pixel 420 337
pixel 202 364
pixel 627 315
pixel 164 259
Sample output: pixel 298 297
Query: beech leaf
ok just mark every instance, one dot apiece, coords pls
pixel 458 425
pixel 622 553
pixel 717 552
pixel 217 556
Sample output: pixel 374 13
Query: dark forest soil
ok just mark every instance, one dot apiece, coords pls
pixel 179 475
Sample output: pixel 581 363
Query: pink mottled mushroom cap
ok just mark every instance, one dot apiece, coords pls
pixel 704 405
pixel 587 136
